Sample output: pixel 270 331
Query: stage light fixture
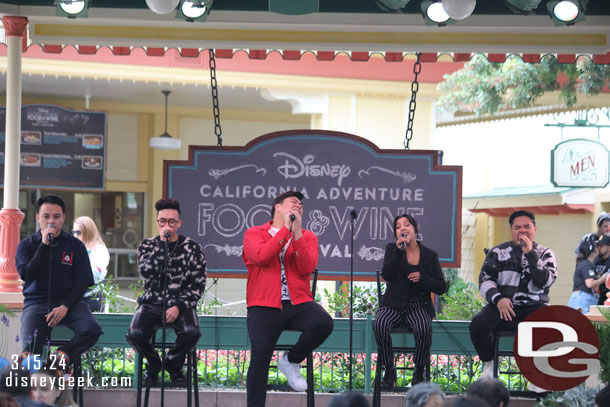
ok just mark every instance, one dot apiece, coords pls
pixel 566 12
pixel 435 14
pixel 459 9
pixel 72 8
pixel 523 6
pixel 194 10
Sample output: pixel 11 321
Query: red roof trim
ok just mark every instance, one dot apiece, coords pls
pixel 294 55
pixel 538 210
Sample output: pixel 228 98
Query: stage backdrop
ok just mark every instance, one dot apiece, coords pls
pixel 225 190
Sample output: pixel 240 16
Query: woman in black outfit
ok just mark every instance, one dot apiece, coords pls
pixel 411 271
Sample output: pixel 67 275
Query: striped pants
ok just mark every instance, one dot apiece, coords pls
pixel 417 318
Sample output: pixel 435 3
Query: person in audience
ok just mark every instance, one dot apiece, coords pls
pixel 84 229
pixel 411 271
pixel 492 390
pixel 424 395
pixel 350 399
pixel 603 226
pixel 469 401
pixel 515 279
pixel 602 399
pixel 602 265
pixel 17 382
pixel 50 387
pixel 586 281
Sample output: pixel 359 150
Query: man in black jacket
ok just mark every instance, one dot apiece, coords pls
pixel 56 270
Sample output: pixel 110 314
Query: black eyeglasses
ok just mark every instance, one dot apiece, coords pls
pixel 170 222
pixel 76 232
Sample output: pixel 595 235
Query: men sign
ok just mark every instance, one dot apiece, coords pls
pixel 225 190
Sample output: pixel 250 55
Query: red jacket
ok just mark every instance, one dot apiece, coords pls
pixel 262 257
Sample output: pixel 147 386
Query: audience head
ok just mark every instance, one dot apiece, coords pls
pixel 491 390
pixel 16 381
pixel 603 223
pixel 50 387
pixel 85 230
pixel 603 397
pixel 425 395
pixel 350 399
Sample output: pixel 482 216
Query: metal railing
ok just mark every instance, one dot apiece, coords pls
pixel 224 355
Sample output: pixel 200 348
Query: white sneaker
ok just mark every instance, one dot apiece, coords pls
pixel 488 369
pixel 532 387
pixel 292 371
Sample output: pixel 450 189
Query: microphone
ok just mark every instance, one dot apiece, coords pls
pixel 403 245
pixel 354 214
pixel 50 236
pixel 167 234
pixel 292 217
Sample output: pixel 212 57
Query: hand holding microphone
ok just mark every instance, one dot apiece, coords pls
pixel 50 233
pixel 401 243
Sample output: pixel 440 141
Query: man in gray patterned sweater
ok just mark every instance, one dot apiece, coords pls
pixel 515 280
pixel 186 272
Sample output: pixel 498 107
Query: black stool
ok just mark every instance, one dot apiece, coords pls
pixel 401 329
pixel 309 359
pixel 498 352
pixel 77 391
pixel 192 382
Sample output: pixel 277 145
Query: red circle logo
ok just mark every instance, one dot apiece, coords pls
pixel 556 348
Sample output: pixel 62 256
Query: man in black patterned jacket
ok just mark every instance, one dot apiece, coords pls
pixel 515 280
pixel 186 271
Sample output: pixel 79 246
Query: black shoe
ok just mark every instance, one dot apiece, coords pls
pixel 151 375
pixel 178 378
pixel 418 375
pixel 389 378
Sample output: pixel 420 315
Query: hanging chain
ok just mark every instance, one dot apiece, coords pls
pixel 413 103
pixel 214 86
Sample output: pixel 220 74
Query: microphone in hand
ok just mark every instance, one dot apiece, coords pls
pixel 51 235
pixel 403 245
pixel 292 217
pixel 167 234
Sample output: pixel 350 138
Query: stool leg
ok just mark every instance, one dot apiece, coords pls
pixel 310 388
pixel 496 360
pixel 139 387
pixel 195 378
pixel 188 379
pixel 377 385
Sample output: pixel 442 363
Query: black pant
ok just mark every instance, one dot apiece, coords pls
pixel 34 328
pixel 488 320
pixel 265 325
pixel 417 318
pixel 146 321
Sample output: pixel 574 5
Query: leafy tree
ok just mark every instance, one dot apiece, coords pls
pixel 485 87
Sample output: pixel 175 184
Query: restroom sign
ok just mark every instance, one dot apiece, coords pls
pixel 579 163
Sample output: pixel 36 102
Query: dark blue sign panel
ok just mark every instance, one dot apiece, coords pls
pixel 60 148
pixel 225 190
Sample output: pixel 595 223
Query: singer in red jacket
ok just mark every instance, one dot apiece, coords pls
pixel 280 257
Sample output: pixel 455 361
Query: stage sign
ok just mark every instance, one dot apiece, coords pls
pixel 579 163
pixel 225 190
pixel 60 148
